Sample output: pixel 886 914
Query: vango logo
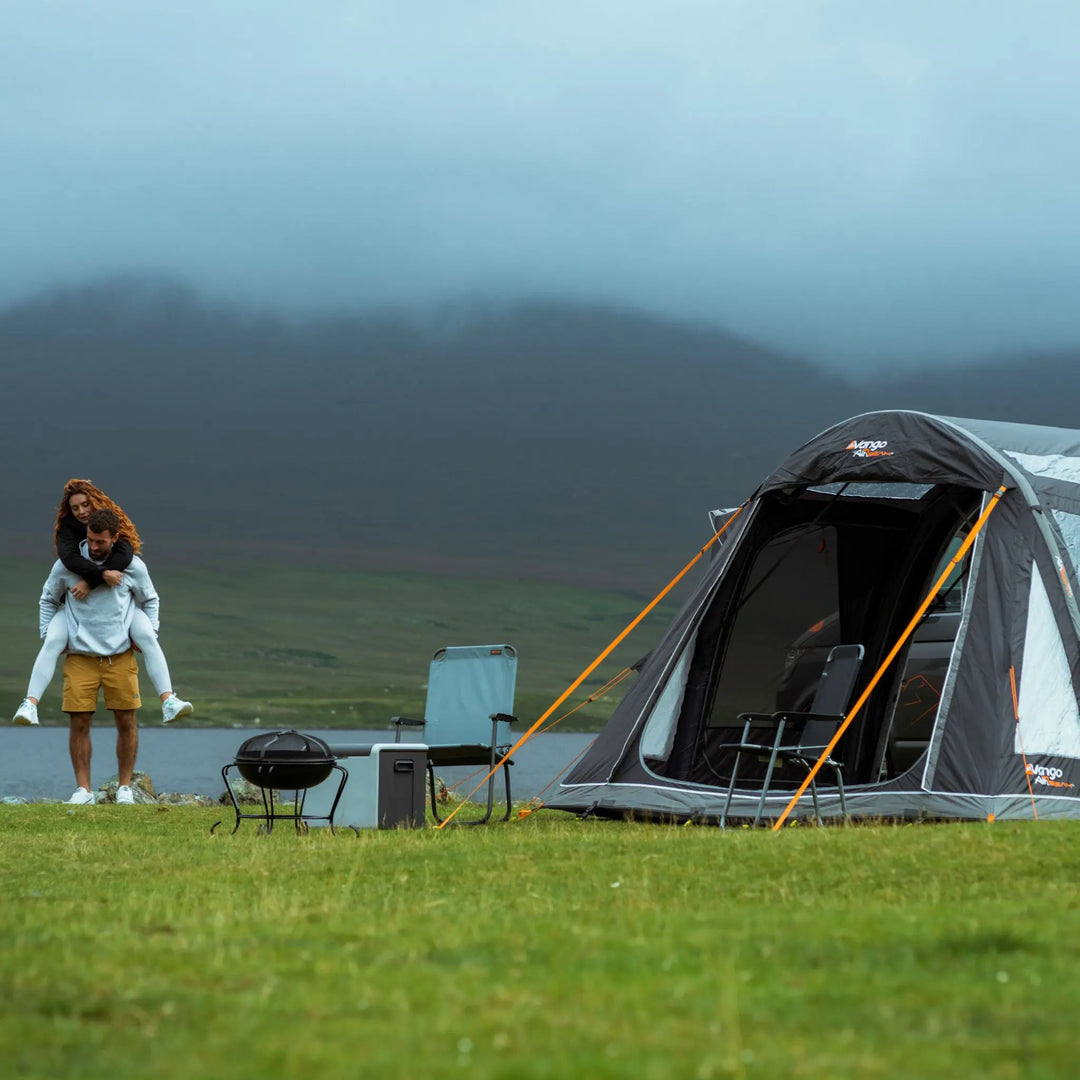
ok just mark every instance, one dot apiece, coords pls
pixel 868 448
pixel 1048 776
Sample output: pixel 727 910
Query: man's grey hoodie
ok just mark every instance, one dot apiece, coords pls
pixel 100 625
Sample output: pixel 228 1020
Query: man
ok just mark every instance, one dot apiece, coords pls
pixel 100 656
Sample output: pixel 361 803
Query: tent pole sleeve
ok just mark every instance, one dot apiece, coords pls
pixel 597 662
pixel 908 631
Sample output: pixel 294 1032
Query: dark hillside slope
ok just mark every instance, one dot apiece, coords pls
pixel 552 439
pixel 1024 389
pixel 556 439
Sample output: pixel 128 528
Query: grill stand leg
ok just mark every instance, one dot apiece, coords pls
pixel 270 815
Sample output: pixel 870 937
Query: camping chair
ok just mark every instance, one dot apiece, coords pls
pixel 467 716
pixel 813 730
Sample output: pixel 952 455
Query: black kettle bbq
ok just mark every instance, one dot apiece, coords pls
pixel 277 761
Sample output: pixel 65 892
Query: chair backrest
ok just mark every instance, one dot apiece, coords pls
pixel 833 693
pixel 466 685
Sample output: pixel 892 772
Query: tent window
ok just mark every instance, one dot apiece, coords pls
pixel 917 704
pixel 1069 524
pixel 1049 720
pixel 785 624
pixel 925 668
pixel 951 596
pixel 874 491
pixel 1055 466
pixel 659 731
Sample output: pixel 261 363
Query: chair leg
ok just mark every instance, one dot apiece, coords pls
pixel 490 799
pixel 431 789
pixel 731 789
pixel 840 791
pixel 506 776
pixel 766 783
pixel 808 766
pixel 734 778
pixel 817 809
pixel 490 795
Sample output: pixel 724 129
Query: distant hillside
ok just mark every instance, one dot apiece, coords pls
pixel 1035 388
pixel 548 440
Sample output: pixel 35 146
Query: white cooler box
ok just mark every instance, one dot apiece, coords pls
pixel 386 788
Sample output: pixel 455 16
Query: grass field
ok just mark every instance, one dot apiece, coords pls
pixel 137 944
pixel 324 648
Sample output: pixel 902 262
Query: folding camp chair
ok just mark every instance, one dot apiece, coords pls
pixel 807 734
pixel 467 717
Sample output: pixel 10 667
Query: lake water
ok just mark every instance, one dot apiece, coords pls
pixel 34 762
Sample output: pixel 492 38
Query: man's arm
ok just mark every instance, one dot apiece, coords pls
pixel 52 598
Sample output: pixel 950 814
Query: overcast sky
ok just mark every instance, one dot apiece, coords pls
pixel 857 181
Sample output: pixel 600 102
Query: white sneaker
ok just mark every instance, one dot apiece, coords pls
pixel 124 795
pixel 82 797
pixel 172 708
pixel 26 714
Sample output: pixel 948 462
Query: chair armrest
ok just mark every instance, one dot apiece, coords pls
pixel 764 748
pixel 503 717
pixel 807 717
pixel 807 755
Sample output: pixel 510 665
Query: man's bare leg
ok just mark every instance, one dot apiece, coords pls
pixel 79 747
pixel 127 745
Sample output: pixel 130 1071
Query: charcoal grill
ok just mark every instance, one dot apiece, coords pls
pixel 277 761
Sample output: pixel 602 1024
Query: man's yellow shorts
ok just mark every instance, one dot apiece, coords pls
pixel 117 675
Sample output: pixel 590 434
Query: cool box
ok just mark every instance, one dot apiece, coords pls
pixel 385 788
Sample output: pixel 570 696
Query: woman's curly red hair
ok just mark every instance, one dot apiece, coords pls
pixel 98 501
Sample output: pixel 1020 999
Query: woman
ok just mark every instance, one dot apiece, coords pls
pixel 79 500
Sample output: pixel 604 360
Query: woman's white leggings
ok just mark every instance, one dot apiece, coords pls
pixel 56 639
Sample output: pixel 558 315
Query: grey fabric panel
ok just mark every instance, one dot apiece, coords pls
pixel 1063 564
pixel 1025 438
pixel 1058 494
pixel 1048 772
pixel 947 691
pixel 980 709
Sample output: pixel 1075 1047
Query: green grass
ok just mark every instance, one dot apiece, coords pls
pixel 136 944
pixel 332 648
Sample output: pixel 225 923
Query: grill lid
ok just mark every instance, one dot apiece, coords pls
pixel 284 747
pixel 284 759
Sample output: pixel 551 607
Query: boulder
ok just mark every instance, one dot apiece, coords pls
pixel 443 795
pixel 175 798
pixel 142 788
pixel 244 791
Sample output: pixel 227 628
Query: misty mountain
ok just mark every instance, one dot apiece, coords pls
pixel 548 439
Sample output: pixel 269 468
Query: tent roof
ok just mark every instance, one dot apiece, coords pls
pixel 915 447
pixel 1022 438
